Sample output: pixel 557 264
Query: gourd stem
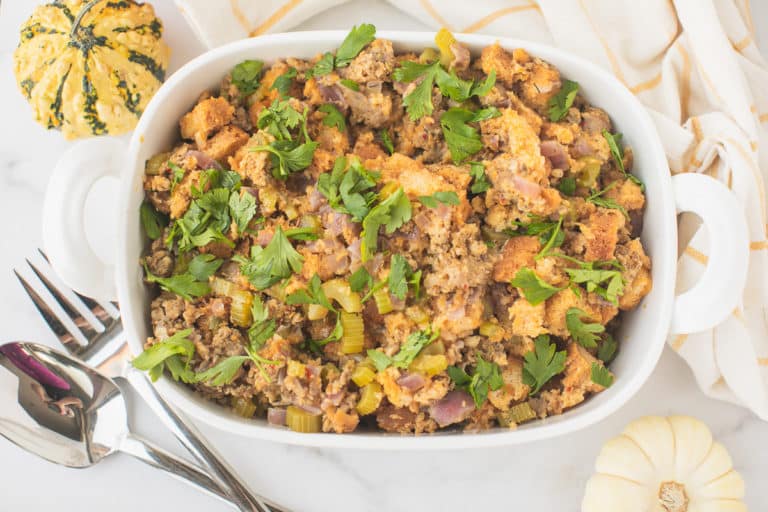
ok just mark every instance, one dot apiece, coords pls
pixel 80 15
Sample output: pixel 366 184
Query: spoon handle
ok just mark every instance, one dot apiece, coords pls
pixel 194 441
pixel 178 468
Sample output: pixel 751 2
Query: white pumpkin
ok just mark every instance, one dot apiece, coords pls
pixel 664 465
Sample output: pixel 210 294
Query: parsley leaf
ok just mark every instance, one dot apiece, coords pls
pixel 418 102
pixel 583 333
pixel 414 343
pixel 485 378
pixel 380 360
pixel 243 208
pixel 333 116
pixel 552 236
pixel 567 186
pixel 222 373
pixel 608 284
pixel 278 260
pixel 480 182
pixel 313 294
pixel 350 84
pixel 401 275
pixel 152 220
pixel 482 88
pixel 391 213
pixel 245 76
pixel 177 174
pixel 260 332
pixel 279 119
pixel 323 66
pixel 606 350
pixel 282 84
pixel 387 142
pixel 562 101
pixel 360 279
pixel 445 197
pixel 462 139
pixel 306 233
pixel 542 363
pixel 617 150
pixel 183 285
pixel 357 39
pixel 600 375
pixel 204 266
pixel 287 157
pixel 351 190
pixel 158 353
pixel 598 199
pixel 535 290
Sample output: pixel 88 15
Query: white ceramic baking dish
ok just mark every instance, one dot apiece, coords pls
pixel 642 334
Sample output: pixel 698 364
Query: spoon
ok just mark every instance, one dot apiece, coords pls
pixel 65 412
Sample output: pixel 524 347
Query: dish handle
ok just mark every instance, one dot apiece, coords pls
pixel 719 290
pixel 64 236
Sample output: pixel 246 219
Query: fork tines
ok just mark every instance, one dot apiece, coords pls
pixel 89 319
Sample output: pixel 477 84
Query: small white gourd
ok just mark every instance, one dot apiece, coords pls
pixel 664 465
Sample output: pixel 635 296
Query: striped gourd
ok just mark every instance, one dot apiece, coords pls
pixel 90 67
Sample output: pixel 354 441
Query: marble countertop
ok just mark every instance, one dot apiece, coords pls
pixel 543 476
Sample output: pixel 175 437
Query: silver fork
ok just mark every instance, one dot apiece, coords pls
pixel 107 350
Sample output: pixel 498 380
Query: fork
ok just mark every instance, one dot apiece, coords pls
pixel 107 350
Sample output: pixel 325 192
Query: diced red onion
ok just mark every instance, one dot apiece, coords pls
pixel 526 187
pixel 454 407
pixel 460 59
pixel 276 416
pixel 332 94
pixel 311 409
pixel 204 161
pixel 412 381
pixel 581 148
pixel 555 152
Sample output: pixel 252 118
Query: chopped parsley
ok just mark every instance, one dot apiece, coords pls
pixel 242 206
pixel 562 101
pixel 350 84
pixel 288 154
pixel 401 276
pixel 600 375
pixel 177 174
pixel 349 189
pixel 204 266
pixel 444 197
pixel 391 213
pixel 606 349
pixel 462 139
pixel 245 76
pixel 414 343
pixel 332 116
pixel 186 285
pixel 583 333
pixel 313 294
pixel 598 199
pixel 607 283
pixel 567 186
pixel 357 39
pixel 323 66
pixel 480 181
pixel 535 290
pixel 387 142
pixel 617 151
pixel 154 358
pixel 360 279
pixel 418 102
pixel 152 220
pixel 282 84
pixel 268 265
pixel 542 363
pixel 485 378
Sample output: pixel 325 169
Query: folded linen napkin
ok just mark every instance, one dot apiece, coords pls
pixel 694 65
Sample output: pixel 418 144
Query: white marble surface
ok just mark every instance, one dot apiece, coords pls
pixel 545 476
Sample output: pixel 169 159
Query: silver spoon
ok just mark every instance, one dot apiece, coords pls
pixel 62 410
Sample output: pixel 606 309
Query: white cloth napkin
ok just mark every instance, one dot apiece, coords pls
pixel 693 64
